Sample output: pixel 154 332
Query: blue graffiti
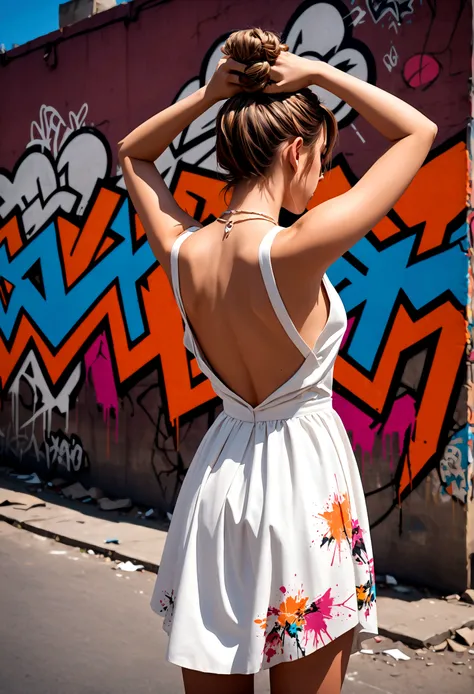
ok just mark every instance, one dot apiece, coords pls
pixel 122 265
pixel 388 273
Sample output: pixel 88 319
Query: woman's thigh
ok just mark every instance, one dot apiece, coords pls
pixel 322 672
pixel 206 683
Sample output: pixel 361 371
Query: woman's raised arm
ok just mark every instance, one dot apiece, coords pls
pixel 162 218
pixel 330 229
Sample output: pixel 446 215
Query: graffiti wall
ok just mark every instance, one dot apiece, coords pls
pixel 470 332
pixel 94 379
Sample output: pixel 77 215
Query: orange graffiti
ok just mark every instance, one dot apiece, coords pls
pixel 436 195
pixel 81 247
pixel 194 187
pixel 10 233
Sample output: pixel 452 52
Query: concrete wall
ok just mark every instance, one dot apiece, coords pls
pixel 94 379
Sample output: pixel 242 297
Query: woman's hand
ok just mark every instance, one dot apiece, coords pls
pixel 225 82
pixel 291 73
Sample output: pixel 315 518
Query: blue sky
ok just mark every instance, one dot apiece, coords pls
pixel 24 20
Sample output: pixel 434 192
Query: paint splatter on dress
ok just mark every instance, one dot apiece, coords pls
pixel 268 555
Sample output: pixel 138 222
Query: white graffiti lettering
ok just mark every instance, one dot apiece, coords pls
pixel 360 16
pixel 62 451
pixel 19 445
pixel 31 390
pixel 398 9
pixel 60 176
pixel 51 131
pixel 390 59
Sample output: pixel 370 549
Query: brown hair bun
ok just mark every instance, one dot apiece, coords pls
pixel 258 50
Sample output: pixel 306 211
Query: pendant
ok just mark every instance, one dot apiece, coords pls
pixel 228 229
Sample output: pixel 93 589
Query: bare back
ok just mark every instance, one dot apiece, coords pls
pixel 230 314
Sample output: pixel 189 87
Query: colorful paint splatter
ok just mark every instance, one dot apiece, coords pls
pixel 302 623
pixel 359 550
pixel 366 592
pixel 339 523
pixel 341 528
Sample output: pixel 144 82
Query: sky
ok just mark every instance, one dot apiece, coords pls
pixel 24 20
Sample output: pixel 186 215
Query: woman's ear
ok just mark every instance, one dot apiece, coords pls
pixel 294 152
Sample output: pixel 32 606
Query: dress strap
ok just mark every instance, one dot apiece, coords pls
pixel 175 268
pixel 274 295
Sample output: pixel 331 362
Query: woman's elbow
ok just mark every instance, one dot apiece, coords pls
pixel 121 149
pixel 430 129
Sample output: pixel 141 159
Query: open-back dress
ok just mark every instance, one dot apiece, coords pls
pixel 268 555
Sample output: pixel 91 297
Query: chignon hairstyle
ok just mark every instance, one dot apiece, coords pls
pixel 251 125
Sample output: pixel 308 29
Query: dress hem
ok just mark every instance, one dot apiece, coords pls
pixel 361 633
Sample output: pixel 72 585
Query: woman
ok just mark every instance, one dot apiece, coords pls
pixel 268 559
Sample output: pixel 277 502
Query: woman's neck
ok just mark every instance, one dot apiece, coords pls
pixel 253 197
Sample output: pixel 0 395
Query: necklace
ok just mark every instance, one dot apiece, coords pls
pixel 230 223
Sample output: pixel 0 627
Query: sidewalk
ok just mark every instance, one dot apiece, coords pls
pixel 408 617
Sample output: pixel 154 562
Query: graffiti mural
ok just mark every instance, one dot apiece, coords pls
pixel 91 352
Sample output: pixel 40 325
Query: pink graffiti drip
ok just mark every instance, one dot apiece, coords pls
pixel 100 374
pixel 363 431
pixel 361 426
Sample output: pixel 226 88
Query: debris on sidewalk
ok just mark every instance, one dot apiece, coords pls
pixel 113 505
pixel 150 513
pixel 468 596
pixel 455 646
pixel 33 479
pixel 96 493
pixel 129 566
pixel 452 598
pixel 465 635
pixel 386 580
pixel 75 491
pixel 57 483
pixel 40 504
pixel 396 653
pixel 440 647
pixel 112 541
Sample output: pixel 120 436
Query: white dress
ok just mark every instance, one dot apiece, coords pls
pixel 268 555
